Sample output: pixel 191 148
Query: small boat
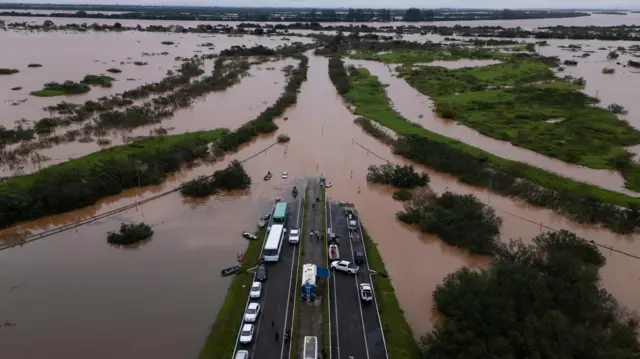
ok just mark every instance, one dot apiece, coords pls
pixel 268 176
pixel 240 257
pixel 285 175
pixel 248 235
pixel 328 185
pixel 230 270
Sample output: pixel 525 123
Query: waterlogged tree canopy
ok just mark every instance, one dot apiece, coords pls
pixel 539 301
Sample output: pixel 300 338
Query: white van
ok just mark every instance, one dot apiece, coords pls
pixel 242 354
pixel 294 236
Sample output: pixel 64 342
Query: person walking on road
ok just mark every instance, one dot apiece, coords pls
pixel 277 335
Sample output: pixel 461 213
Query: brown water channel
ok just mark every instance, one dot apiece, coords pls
pixel 72 295
pixel 419 108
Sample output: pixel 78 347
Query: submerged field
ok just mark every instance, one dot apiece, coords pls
pixel 508 102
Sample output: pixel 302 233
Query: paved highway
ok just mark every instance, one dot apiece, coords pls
pixel 355 326
pixel 278 292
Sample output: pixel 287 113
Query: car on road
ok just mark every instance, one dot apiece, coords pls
pixel 344 266
pixel 241 354
pixel 294 235
pixel 358 257
pixel 246 334
pixel 366 294
pixel 261 275
pixel 256 290
pixel 253 310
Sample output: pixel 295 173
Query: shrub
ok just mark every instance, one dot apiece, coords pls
pixel 8 71
pixel 130 233
pixel 397 176
pixel 34 65
pixel 459 220
pixel 402 195
pixel 113 70
pixel 282 138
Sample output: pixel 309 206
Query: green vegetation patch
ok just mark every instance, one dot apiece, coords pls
pixel 553 119
pixel 438 81
pixel 224 331
pixel 52 89
pixel 232 177
pixel 98 80
pixel 579 201
pixel 397 176
pixel 397 332
pixel 538 301
pixel 5 71
pixel 445 53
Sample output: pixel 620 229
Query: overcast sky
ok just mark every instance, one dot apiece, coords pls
pixel 498 4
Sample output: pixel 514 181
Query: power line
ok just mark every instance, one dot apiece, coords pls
pixel 66 227
pixel 634 256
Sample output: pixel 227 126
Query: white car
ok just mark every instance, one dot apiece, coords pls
pixel 242 354
pixel 344 266
pixel 246 335
pixel 256 290
pixel 366 294
pixel 285 175
pixel 294 236
pixel 253 310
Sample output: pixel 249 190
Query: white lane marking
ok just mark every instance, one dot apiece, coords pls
pixel 293 263
pixel 355 277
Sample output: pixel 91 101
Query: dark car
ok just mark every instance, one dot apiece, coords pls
pixel 262 273
pixel 358 257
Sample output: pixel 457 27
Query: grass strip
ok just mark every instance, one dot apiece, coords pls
pixel 222 337
pixel 298 295
pixel 397 333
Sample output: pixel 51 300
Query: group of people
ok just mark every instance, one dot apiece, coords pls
pixel 287 333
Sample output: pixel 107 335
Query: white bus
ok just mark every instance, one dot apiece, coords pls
pixel 310 350
pixel 274 243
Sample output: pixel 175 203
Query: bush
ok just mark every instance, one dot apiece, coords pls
pixel 99 80
pixel 397 176
pixel 130 234
pixel 8 71
pixel 232 177
pixel 34 65
pixel 66 88
pixel 200 187
pixel 402 195
pixel 459 220
pixel 282 138
pixel 537 301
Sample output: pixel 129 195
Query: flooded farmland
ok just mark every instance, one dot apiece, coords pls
pixel 74 295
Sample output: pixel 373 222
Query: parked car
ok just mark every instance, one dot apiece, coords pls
pixel 344 266
pixel 256 290
pixel 294 236
pixel 253 310
pixel 246 335
pixel 358 257
pixel 242 354
pixel 262 273
pixel 366 294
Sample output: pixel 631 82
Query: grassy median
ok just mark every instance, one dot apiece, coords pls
pixel 222 337
pixel 397 333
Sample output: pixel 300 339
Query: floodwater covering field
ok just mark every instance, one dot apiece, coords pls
pixel 73 295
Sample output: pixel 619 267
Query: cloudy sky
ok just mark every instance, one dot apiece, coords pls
pixel 632 4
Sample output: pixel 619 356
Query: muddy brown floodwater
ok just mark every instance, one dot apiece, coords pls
pixel 73 295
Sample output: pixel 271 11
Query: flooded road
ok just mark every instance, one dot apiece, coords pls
pixel 73 295
pixel 418 108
